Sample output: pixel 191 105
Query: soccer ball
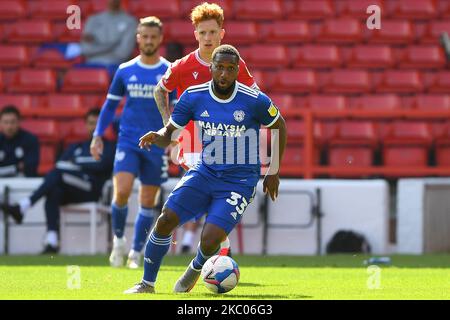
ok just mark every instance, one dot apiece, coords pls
pixel 220 274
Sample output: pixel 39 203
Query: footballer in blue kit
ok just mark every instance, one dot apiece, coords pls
pixel 135 80
pixel 222 184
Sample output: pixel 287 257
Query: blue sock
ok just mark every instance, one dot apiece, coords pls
pixel 155 250
pixel 199 260
pixel 142 227
pixel 119 218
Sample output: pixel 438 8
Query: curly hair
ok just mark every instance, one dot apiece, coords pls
pixel 207 11
pixel 226 49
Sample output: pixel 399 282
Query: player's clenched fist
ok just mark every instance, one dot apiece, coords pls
pixel 270 185
pixel 148 139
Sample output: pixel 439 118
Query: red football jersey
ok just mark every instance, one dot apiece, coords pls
pixel 192 70
pixel 189 71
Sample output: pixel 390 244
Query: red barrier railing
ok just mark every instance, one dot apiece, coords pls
pixel 310 170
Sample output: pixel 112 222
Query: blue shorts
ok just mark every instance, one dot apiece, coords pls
pixel 223 201
pixel 150 167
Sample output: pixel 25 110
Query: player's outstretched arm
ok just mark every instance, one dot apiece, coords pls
pixel 272 178
pixel 161 138
pixel 162 101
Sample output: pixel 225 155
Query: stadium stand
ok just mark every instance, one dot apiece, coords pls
pixel 316 59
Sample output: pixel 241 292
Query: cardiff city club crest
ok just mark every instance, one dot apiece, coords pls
pixel 239 115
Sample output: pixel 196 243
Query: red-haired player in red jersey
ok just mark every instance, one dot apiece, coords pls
pixel 190 70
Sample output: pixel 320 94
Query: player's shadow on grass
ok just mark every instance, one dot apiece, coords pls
pixel 254 296
pixel 249 284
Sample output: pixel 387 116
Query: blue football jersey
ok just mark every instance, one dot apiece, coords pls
pixel 229 129
pixel 136 82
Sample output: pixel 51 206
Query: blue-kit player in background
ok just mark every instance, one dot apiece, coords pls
pixel 135 80
pixel 223 184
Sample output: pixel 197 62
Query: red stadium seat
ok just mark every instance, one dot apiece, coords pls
pixel 308 9
pixel 354 145
pixel 441 83
pixel 33 81
pixel 326 102
pixel 267 56
pixel 423 57
pixel 355 133
pixel 47 159
pixel 416 9
pixel 12 10
pixel 350 156
pixel 397 81
pixel 318 56
pixel 64 101
pixel 240 32
pixel 371 57
pixel 348 81
pixel 46 130
pixel 378 102
pixel 1 81
pixel 434 30
pixel 13 56
pixel 62 105
pixel 393 32
pixel 258 10
pixel 296 132
pixel 432 102
pixel 358 9
pixel 161 9
pixel 444 8
pixel 288 31
pixel 407 144
pixel 86 80
pixel 50 9
pixel 343 30
pixel 21 101
pixel 294 81
pixel 52 58
pixel 30 31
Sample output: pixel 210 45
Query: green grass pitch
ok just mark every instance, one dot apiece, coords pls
pixel 262 277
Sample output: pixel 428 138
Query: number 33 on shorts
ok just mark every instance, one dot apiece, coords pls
pixel 239 202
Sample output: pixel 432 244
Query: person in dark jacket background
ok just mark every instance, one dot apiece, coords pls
pixel 77 177
pixel 19 149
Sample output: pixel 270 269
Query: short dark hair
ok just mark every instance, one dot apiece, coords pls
pixel 10 109
pixel 226 49
pixel 92 112
pixel 151 21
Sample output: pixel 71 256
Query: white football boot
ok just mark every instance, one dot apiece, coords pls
pixel 188 280
pixel 141 287
pixel 134 259
pixel 117 257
